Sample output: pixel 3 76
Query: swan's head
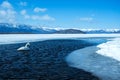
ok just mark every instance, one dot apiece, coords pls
pixel 27 44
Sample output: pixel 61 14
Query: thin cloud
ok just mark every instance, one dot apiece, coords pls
pixel 26 16
pixel 44 17
pixel 23 12
pixel 23 3
pixel 88 19
pixel 36 17
pixel 7 12
pixel 37 9
pixel 6 4
pixel 47 17
pixel 2 13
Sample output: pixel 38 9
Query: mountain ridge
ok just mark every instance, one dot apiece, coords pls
pixel 9 28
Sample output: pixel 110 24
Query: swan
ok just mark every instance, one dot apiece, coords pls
pixel 24 48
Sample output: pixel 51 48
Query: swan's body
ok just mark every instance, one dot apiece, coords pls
pixel 24 48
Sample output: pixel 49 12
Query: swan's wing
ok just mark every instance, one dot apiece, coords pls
pixel 23 49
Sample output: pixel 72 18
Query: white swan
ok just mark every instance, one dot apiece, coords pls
pixel 24 48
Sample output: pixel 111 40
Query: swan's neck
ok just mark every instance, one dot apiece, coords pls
pixel 26 45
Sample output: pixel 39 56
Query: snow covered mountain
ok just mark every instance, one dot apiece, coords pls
pixel 8 28
pixel 70 31
pixel 98 31
pixel 88 31
pixel 22 29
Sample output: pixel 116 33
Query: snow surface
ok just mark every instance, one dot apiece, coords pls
pixel 21 38
pixel 110 49
pixel 104 67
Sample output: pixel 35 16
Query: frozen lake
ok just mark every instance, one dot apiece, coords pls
pixel 102 60
pixel 21 38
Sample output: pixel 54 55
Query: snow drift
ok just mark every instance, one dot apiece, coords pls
pixel 110 49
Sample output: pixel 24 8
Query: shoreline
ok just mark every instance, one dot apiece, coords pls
pixel 81 58
pixel 44 61
pixel 87 59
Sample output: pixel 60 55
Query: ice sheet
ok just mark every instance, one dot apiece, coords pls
pixel 21 38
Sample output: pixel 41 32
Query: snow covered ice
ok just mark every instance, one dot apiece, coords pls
pixel 110 49
pixel 102 60
pixel 21 38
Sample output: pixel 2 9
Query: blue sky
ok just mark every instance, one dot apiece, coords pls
pixel 62 13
